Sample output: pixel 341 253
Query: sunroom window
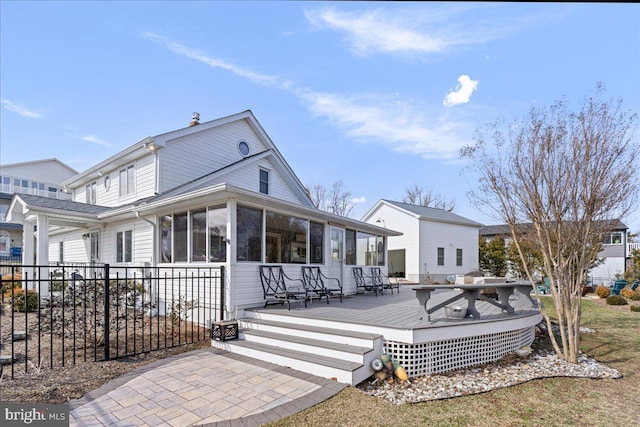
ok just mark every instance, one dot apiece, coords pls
pixel 369 249
pixel 286 239
pixel 217 225
pixel 249 234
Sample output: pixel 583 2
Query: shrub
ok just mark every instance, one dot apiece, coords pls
pixel 8 282
pixel 19 303
pixel 635 307
pixel 616 300
pixel 636 295
pixel 603 291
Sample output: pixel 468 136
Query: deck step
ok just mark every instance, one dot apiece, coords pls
pixel 314 332
pixel 342 355
pixel 328 367
pixel 299 355
pixel 292 342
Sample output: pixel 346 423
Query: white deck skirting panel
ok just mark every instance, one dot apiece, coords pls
pixel 448 355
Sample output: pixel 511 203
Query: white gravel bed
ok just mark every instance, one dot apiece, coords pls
pixel 508 371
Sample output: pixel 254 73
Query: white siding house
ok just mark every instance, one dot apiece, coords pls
pixel 434 243
pixel 209 194
pixel 38 177
pixel 615 251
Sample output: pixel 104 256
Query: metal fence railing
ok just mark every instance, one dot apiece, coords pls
pixel 56 315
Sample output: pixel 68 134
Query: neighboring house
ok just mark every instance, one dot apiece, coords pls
pixel 614 253
pixel 217 193
pixel 39 177
pixel 434 242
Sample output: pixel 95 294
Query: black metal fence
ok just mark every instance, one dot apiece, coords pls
pixel 58 315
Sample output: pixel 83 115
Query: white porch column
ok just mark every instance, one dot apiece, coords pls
pixel 42 253
pixel 28 252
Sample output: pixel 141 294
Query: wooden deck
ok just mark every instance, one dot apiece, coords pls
pixel 314 339
pixel 400 311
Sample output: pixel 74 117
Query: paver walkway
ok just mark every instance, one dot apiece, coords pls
pixel 202 387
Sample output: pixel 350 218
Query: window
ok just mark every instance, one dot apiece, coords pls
pixel 165 237
pixel 180 228
pixel 350 247
pixel 264 181
pixel 243 148
pixel 249 234
pixel 127 180
pixel 61 252
pixel 459 257
pixel 369 249
pixel 199 235
pixel 316 240
pixel 286 239
pixel 124 246
pixel 90 190
pixel 440 256
pixel 217 223
pixel 614 238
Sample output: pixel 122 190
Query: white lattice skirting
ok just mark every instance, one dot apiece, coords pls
pixel 428 358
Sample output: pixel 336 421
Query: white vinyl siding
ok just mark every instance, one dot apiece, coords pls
pixel 195 155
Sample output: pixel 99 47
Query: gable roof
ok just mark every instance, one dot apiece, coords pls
pixel 38 162
pixel 159 141
pixel 427 213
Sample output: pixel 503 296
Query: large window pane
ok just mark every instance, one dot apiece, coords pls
pixel 249 234
pixel 165 238
pixel 369 249
pixel 217 220
pixel 350 247
pixel 379 251
pixel 180 225
pixel 316 243
pixel 286 239
pixel 199 235
pixel 128 246
pixel 119 245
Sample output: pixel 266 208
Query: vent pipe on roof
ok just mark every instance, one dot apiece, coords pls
pixel 195 119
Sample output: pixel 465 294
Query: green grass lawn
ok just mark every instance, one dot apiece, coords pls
pixel 546 402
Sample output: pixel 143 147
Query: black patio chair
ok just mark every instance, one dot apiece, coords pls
pixel 365 283
pixel 383 281
pixel 279 288
pixel 316 282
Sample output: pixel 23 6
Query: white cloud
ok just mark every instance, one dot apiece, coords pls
pixel 376 31
pixel 359 200
pixel 375 118
pixel 368 118
pixel 261 79
pixel 462 93
pixel 96 140
pixel 24 112
pixel 423 30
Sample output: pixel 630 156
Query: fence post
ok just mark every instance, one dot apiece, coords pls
pixel 221 293
pixel 106 312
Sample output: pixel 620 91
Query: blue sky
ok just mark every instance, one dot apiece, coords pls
pixel 380 95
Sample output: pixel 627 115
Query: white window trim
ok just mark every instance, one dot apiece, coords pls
pixel 133 255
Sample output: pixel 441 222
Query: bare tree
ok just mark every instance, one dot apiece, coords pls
pixel 335 200
pixel 570 175
pixel 318 195
pixel 418 195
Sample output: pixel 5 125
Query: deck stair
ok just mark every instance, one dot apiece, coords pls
pixel 329 352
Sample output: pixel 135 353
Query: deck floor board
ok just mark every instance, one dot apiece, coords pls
pixel 398 310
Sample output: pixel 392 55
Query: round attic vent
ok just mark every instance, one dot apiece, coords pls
pixel 243 148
